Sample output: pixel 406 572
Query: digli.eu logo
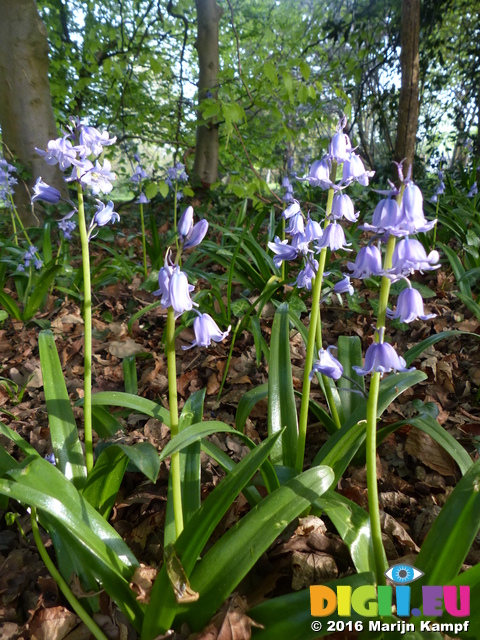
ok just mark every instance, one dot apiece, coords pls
pixel 370 601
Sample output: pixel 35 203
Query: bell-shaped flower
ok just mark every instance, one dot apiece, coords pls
pixel 185 224
pixel 206 330
pixel 473 191
pixel 139 174
pixel 313 230
pixel 319 174
pixel 409 307
pixel 59 151
pixel 344 286
pixel 412 218
pixel 340 147
pixel 342 207
pixel 333 238
pixel 179 290
pixel 91 141
pixel 42 191
pixel 282 250
pixel 381 358
pixel 295 224
pixel 367 263
pixel 386 218
pixel 196 235
pixel 301 243
pixel 104 214
pixel 354 170
pixel 327 365
pixel 98 178
pixel 409 255
pixel 304 278
pixel 292 210
pixel 164 276
pixel 142 199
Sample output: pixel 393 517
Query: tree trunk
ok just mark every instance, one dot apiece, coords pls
pixel 408 107
pixel 26 114
pixel 205 167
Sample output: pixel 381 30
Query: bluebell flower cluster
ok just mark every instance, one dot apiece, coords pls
pixel 30 257
pixel 78 150
pixel 7 182
pixel 175 175
pixel 175 290
pixel 138 176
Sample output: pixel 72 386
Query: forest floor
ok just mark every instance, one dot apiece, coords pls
pixel 415 474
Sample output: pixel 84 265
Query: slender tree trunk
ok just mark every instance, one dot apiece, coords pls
pixel 205 167
pixel 26 114
pixel 408 107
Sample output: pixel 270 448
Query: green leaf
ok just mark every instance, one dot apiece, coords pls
pixel 340 448
pixel 163 188
pixel 247 402
pixel 42 285
pixel 216 576
pixel 190 544
pixel 270 71
pixel 282 411
pixel 104 481
pixel 289 616
pixel 350 355
pixel 9 304
pixel 130 375
pixel 104 423
pixel 192 413
pixel 415 351
pixel 353 525
pixel 457 269
pixel 152 189
pixel 63 429
pixel 305 70
pixel 129 401
pixel 451 535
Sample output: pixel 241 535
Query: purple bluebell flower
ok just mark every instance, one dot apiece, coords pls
pixel 196 235
pixel 98 178
pixel 295 224
pixel 301 243
pixel 382 358
pixel 386 218
pixel 42 191
pixel 176 174
pixel 313 230
pixel 206 330
pixel 139 175
pixel 342 207
pixel 333 238
pixel 38 264
pixel 473 191
pixel 292 210
pixel 59 151
pixel 50 457
pixel 282 250
pixel 409 307
pixel 142 199
pixel 412 219
pixel 92 141
pixel 7 181
pixel 104 214
pixel 354 170
pixel 185 224
pixel 367 263
pixel 67 227
pixel 286 184
pixel 180 292
pixel 164 276
pixel 344 286
pixel 340 147
pixel 306 275
pixel 319 174
pixel 327 365
pixel 409 255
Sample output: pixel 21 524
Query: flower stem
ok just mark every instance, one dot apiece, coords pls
pixel 87 317
pixel 144 242
pixel 172 398
pixel 371 434
pixel 63 586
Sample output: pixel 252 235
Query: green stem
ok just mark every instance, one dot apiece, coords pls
pixel 144 242
pixel 314 330
pixel 173 401
pixel 24 231
pixel 63 586
pixel 87 317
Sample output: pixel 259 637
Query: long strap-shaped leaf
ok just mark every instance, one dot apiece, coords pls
pixel 232 557
pixel 129 401
pixel 63 429
pixel 190 544
pixel 282 410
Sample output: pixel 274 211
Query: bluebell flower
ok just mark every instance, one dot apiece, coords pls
pixel 410 307
pixel 180 292
pixel 381 358
pixel 412 218
pixel 38 264
pixel 354 170
pixel 139 175
pixel 344 286
pixel 295 224
pixel 206 330
pixel 92 141
pixel 319 174
pixel 196 235
pixel 340 147
pixel 327 365
pixel 142 199
pixel 67 227
pixel 306 275
pixel 333 238
pixel 473 191
pixel 367 263
pixel 164 276
pixel 409 255
pixel 386 218
pixel 282 250
pixel 98 178
pixel 185 224
pixel 59 151
pixel 313 230
pixel 342 207
pixel 42 191
pixel 104 214
pixel 7 181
